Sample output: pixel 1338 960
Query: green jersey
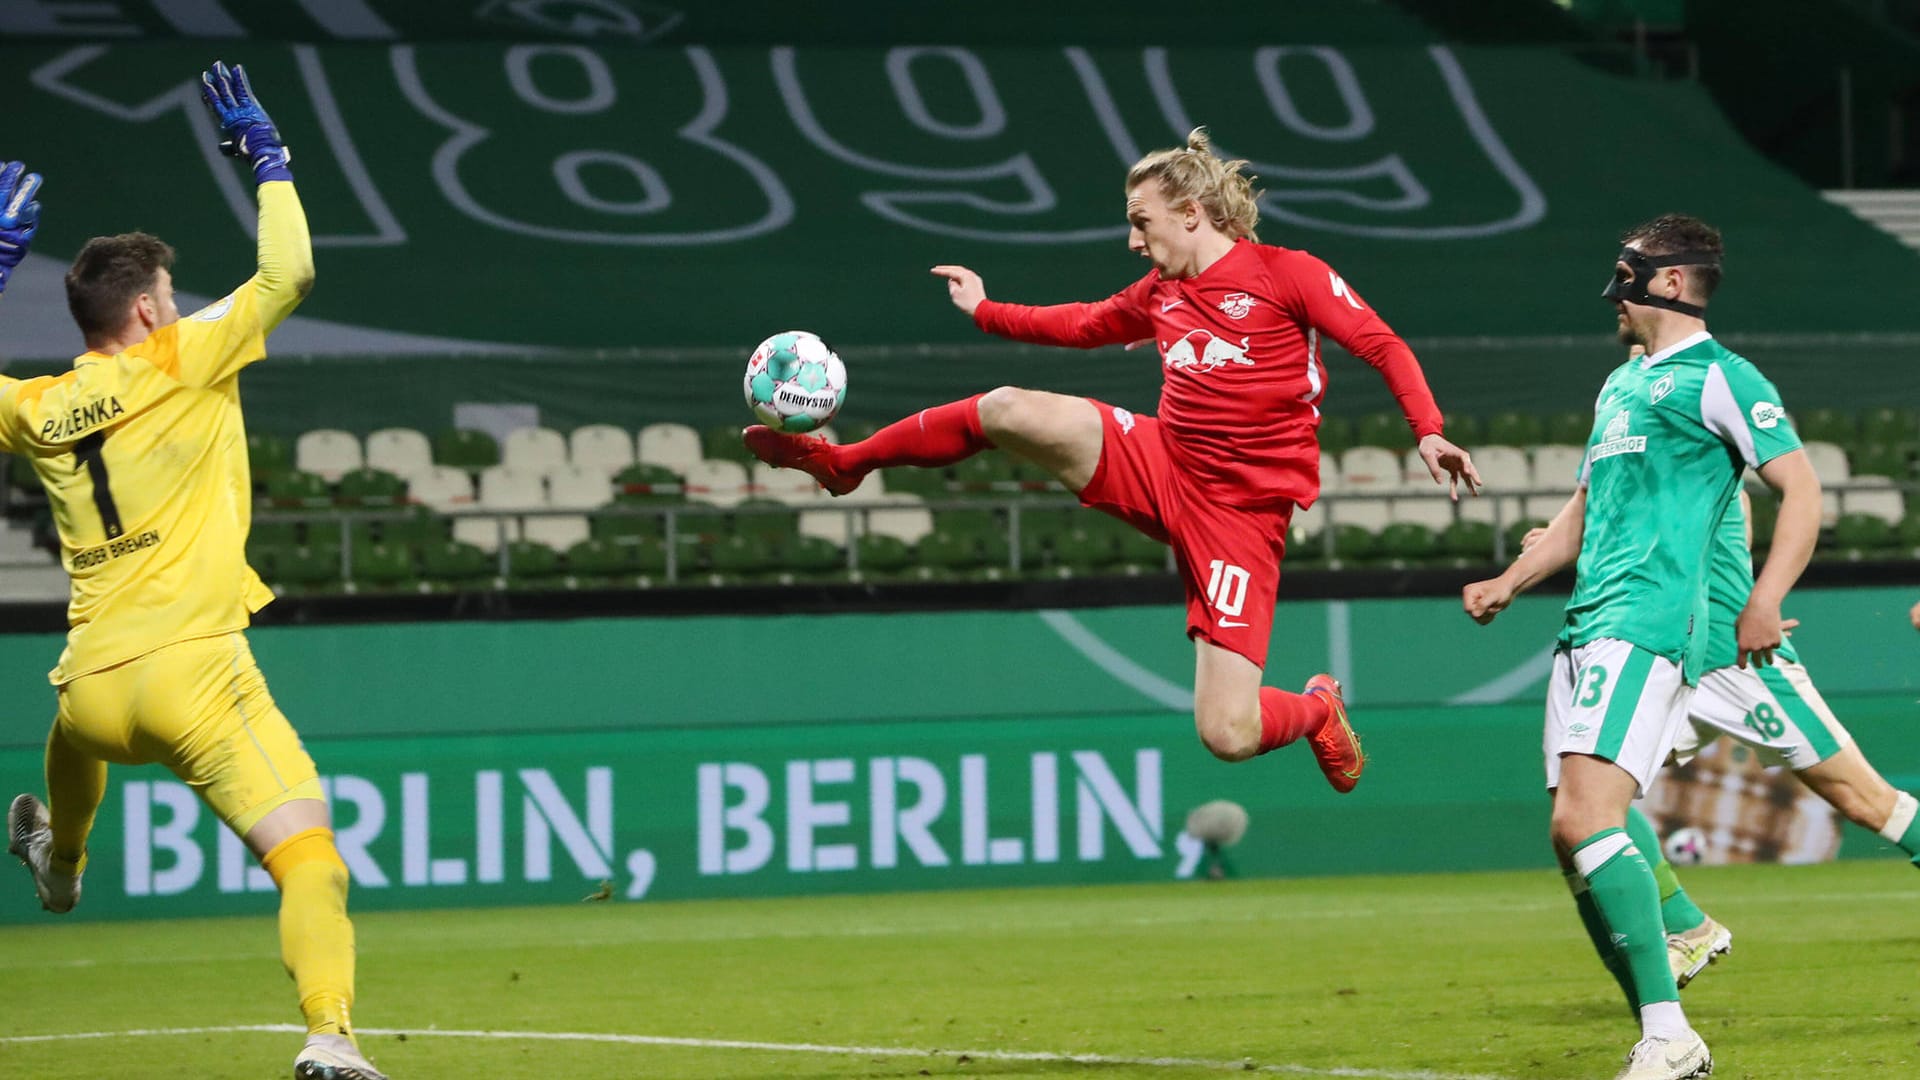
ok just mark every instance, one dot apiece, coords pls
pixel 1671 434
pixel 1729 580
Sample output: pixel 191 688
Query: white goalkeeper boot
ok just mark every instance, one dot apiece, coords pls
pixel 1656 1058
pixel 333 1057
pixel 31 841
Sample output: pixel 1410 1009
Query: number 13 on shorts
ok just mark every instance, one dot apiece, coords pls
pixel 1612 700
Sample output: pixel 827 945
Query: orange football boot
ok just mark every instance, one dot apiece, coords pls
pixel 1335 746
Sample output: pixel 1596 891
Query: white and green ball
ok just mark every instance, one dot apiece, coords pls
pixel 794 382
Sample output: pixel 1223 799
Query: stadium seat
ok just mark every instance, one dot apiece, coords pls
pixel 1408 543
pixel 987 474
pixel 534 449
pixel 1352 544
pixel 1766 510
pixel 460 448
pixel 1504 468
pixel 600 562
pixel 1382 429
pixel 454 565
pixel 1516 429
pixel 1336 434
pixel 268 456
pixel 1829 463
pixel 1569 428
pixel 1139 552
pixel 951 554
pixel 530 562
pixel 836 526
pixel 387 567
pixel 1081 552
pixel 1884 503
pixel 980 522
pixel 1860 535
pixel 672 446
pixel 578 487
pixel 1889 425
pixel 274 534
pixel 1543 507
pixel 299 491
pixel 307 568
pixel 1471 541
pixel 626 526
pixel 722 483
pixel 1331 480
pixel 926 483
pixel 643 483
pixel 504 487
pixel 701 522
pixel 1908 535
pixel 882 555
pixel 1556 467
pixel 1825 425
pixel 784 485
pixel 1518 531
pixel 1887 459
pixel 404 452
pixel 811 556
pixel 723 443
pixel 1306 526
pixel 327 453
pixel 742 558
pixel 419 528
pixel 1369 515
pixel 1371 469
pixel 485 532
pixel 603 448
pixel 556 531
pixel 905 523
pixel 372 488
pixel 1463 430
pixel 771 521
pixel 442 487
pixel 1431 512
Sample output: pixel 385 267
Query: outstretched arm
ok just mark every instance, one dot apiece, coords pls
pixel 1545 555
pixel 1119 318
pixel 285 250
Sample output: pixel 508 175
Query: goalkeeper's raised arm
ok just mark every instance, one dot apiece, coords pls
pixel 285 274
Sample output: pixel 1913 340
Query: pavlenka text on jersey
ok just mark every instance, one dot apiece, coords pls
pixel 126 545
pixel 62 428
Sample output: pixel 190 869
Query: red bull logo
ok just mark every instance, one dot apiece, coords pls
pixel 1201 350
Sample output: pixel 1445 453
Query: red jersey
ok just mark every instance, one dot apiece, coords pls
pixel 1240 355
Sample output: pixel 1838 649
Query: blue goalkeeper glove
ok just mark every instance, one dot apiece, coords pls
pixel 19 215
pixel 249 131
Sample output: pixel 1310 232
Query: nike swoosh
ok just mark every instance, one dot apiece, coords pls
pixel 1225 622
pixel 1170 305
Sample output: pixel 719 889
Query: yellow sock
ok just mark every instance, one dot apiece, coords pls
pixel 316 940
pixel 75 785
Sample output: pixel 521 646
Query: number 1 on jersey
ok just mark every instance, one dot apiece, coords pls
pixel 86 453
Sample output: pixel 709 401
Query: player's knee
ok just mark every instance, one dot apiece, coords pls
pixel 1007 410
pixel 1227 734
pixel 1571 825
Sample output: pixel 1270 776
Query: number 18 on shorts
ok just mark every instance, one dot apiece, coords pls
pixel 1614 700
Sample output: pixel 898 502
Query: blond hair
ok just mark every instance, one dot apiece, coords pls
pixel 1194 173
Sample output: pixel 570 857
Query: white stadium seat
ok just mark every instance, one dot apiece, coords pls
pixel 1829 463
pixel 1370 514
pixel 327 453
pixel 1306 524
pixel 1330 478
pixel 1543 507
pixel 785 485
pixel 722 483
pixel 535 449
pixel 1503 468
pixel 1557 468
pixel 558 532
pixel 1433 511
pixel 404 452
pixel 675 446
pixel 1370 469
pixel 601 446
pixel 485 532
pixel 503 487
pixel 442 487
pixel 906 523
pixel 579 487
pixel 1884 503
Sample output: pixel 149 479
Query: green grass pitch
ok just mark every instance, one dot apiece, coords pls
pixel 1483 975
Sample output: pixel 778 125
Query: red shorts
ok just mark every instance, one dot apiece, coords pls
pixel 1229 557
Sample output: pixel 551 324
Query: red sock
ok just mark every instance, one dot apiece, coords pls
pixel 930 438
pixel 1285 717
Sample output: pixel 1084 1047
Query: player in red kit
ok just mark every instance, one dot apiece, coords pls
pixel 1218 473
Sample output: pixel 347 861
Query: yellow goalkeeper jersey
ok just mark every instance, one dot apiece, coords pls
pixel 144 458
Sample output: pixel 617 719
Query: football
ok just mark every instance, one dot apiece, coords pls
pixel 794 382
pixel 1687 847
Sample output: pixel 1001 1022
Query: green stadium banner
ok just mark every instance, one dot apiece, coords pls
pixel 523 762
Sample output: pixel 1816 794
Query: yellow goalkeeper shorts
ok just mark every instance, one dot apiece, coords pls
pixel 200 708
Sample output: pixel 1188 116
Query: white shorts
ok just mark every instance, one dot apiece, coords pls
pixel 1775 710
pixel 1612 699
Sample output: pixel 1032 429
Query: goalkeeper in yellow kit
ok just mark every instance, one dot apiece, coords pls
pixel 143 454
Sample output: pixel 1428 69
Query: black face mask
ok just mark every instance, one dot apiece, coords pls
pixel 1630 282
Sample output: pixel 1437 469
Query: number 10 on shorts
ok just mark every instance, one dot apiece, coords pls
pixel 1226 587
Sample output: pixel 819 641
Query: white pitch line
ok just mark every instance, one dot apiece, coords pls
pixel 1244 1065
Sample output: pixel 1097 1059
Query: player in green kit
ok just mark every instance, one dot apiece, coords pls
pixel 1672 432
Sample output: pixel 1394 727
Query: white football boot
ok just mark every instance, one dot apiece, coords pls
pixel 1654 1058
pixel 1689 953
pixel 31 841
pixel 333 1057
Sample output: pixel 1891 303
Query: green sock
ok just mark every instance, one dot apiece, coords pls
pixel 1597 933
pixel 1622 886
pixel 1677 910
